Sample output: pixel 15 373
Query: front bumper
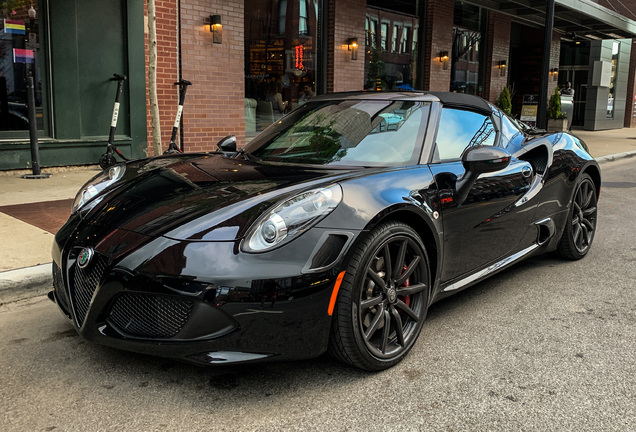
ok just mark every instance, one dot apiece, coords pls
pixel 200 302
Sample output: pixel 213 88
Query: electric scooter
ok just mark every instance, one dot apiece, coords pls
pixel 108 159
pixel 173 147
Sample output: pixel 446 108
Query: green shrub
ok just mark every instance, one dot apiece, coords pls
pixel 554 106
pixel 503 102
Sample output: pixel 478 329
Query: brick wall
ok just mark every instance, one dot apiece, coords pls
pixel 438 37
pixel 555 55
pixel 215 104
pixel 497 46
pixel 167 69
pixel 346 20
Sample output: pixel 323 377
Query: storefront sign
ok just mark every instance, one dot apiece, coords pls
pixel 529 109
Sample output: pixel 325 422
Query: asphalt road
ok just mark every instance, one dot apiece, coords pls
pixel 548 345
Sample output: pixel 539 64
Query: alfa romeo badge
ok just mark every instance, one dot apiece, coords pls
pixel 85 257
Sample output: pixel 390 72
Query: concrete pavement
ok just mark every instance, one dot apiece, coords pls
pixel 25 269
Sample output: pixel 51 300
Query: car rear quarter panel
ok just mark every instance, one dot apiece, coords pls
pixel 569 161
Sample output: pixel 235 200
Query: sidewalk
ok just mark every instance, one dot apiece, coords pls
pixel 31 211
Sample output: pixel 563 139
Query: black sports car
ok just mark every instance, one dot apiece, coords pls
pixel 333 230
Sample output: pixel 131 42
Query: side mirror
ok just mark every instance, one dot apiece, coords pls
pixel 227 144
pixel 479 160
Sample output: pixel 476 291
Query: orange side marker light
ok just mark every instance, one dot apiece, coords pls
pixel 334 293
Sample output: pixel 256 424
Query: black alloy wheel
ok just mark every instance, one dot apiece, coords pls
pixel 581 223
pixel 383 299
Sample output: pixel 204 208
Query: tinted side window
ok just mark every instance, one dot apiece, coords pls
pixel 510 134
pixel 459 129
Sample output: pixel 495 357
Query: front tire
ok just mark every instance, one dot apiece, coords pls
pixel 581 222
pixel 383 299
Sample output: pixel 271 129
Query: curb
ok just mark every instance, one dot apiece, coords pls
pixel 614 157
pixel 25 283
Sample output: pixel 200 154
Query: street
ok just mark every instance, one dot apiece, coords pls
pixel 547 345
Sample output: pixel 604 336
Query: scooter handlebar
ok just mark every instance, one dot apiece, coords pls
pixel 118 77
pixel 183 82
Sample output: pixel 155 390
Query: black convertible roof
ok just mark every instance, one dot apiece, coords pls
pixel 462 100
pixel 455 100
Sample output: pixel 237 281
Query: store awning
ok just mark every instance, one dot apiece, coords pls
pixel 574 19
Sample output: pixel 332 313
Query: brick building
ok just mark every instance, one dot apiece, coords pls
pixel 271 55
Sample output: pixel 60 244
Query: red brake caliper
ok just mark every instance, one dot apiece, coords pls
pixel 406 299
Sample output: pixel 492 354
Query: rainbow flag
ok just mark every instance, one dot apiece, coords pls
pixel 14 26
pixel 23 56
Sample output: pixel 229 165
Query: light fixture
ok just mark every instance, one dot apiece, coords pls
pixel 216 28
pixel 555 74
pixel 502 67
pixel 352 45
pixel 443 57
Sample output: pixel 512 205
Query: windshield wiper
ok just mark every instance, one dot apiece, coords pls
pixel 247 156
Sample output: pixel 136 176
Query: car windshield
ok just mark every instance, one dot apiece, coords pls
pixel 346 132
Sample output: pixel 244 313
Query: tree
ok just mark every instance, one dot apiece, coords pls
pixel 503 101
pixel 152 78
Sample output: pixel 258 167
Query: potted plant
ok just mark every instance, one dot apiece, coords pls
pixel 503 102
pixel 557 122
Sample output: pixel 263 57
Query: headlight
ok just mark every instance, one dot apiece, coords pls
pixel 97 185
pixel 291 218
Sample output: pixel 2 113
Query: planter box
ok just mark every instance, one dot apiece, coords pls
pixel 558 125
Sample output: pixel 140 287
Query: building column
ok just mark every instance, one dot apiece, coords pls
pixel 630 113
pixel 345 20
pixel 438 38
pixel 215 105
pixel 497 47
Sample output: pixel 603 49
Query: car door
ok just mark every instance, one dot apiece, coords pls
pixel 491 221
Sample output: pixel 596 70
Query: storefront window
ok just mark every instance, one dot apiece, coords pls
pixel 20 57
pixel 466 53
pixel 280 59
pixel 390 66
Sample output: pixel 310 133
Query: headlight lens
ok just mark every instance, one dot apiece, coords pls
pixel 97 185
pixel 291 218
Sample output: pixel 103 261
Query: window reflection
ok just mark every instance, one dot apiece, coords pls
pixel 466 49
pixel 459 130
pixel 368 133
pixel 280 65
pixel 19 56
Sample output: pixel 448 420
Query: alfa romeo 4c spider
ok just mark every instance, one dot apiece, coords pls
pixel 332 230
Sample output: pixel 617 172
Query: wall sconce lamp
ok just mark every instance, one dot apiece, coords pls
pixel 216 28
pixel 352 45
pixel 443 57
pixel 554 72
pixel 502 67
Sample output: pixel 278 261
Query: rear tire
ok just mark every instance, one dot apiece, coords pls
pixel 383 299
pixel 581 222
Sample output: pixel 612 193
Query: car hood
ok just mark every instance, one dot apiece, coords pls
pixel 207 197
